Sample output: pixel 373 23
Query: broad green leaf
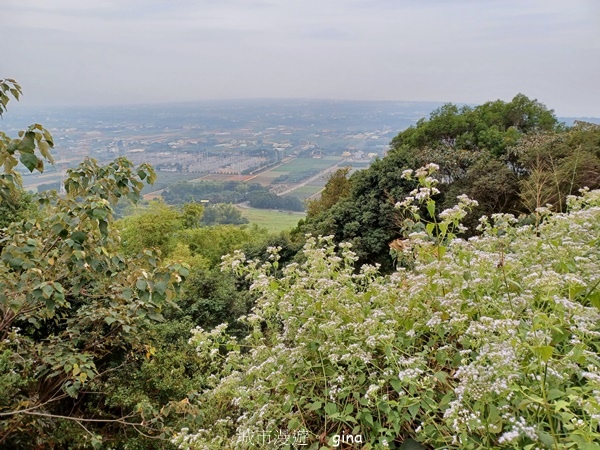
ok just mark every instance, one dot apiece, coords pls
pixel 47 291
pixel 555 393
pixel 414 409
pixel 589 446
pixel 431 208
pixel 29 160
pixel 544 352
pixel 27 144
pixel 331 408
pixel 396 384
pixel 156 316
pixel 79 236
pixel 429 228
pixel 103 226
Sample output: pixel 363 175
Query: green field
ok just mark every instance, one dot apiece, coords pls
pixel 294 166
pixel 264 178
pixel 272 220
pixel 300 164
pixel 305 191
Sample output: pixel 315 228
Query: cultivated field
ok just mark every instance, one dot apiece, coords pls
pixel 301 164
pixel 271 219
pixel 296 165
pixel 307 191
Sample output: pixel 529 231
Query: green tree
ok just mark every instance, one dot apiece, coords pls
pixel 192 214
pixel 212 297
pixel 558 165
pixel 336 188
pixel 71 304
pixel 477 151
pixel 366 217
pixel 215 241
pixel 492 127
pixel 152 227
pixel 224 214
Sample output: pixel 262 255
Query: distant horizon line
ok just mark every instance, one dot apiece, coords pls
pixel 239 99
pixel 260 99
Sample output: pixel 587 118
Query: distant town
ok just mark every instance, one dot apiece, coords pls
pixel 288 145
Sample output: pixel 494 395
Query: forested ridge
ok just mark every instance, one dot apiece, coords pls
pixel 445 297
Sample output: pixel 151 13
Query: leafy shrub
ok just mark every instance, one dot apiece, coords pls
pixel 490 342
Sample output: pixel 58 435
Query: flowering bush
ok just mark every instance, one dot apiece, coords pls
pixel 492 343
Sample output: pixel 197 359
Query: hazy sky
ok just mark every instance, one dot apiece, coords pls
pixel 151 51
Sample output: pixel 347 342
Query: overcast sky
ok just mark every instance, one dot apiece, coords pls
pixel 152 51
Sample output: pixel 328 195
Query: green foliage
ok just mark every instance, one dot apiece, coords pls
pixel 211 298
pixel 31 148
pixel 366 217
pixel 153 227
pixel 270 200
pixel 162 377
pixel 8 88
pixel 438 229
pixel 223 214
pixel 15 208
pixel 492 183
pixel 337 188
pixel 260 248
pixel 491 343
pixel 192 214
pixel 511 157
pixel 492 127
pixel 558 165
pixel 213 191
pixel 213 242
pixel 71 304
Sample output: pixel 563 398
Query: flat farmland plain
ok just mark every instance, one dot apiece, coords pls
pixel 273 220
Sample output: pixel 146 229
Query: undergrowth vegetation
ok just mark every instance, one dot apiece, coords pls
pixel 484 342
pixel 490 342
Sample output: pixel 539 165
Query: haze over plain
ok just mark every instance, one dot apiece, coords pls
pixel 153 51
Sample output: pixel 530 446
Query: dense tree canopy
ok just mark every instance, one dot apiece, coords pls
pixel 492 127
pixel 212 191
pixel 73 307
pixel 270 200
pixel 512 157
pixel 224 214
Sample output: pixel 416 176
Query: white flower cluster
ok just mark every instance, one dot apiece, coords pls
pixel 499 320
pixel 519 429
